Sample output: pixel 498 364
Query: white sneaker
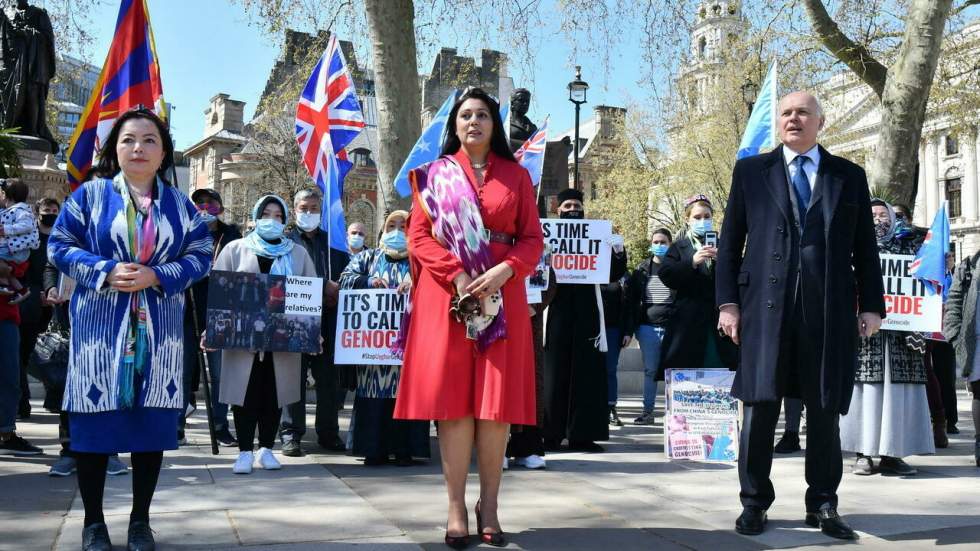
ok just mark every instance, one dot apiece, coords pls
pixel 533 462
pixel 506 464
pixel 243 465
pixel 267 460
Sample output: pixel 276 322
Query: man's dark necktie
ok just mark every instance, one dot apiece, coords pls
pixel 801 184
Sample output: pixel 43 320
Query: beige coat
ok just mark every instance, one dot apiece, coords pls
pixel 236 365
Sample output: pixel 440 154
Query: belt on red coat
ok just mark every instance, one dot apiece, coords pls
pixel 500 237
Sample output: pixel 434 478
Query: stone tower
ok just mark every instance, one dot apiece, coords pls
pixel 224 113
pixel 719 24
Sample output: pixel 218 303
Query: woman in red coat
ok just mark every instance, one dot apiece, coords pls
pixel 474 230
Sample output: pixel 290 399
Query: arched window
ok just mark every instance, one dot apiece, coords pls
pixel 361 157
pixel 702 47
pixel 952 145
pixel 954 186
pixel 361 210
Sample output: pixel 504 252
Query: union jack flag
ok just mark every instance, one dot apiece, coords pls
pixel 531 154
pixel 328 118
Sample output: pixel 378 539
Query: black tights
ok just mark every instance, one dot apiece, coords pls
pixel 91 483
pixel 261 406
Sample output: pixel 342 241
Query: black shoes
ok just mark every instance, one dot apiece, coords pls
pixel 495 539
pixel 789 443
pixel 292 448
pixel 140 537
pixel 830 523
pixel 951 429
pixel 225 439
pixel 585 446
pixel 15 445
pixel 334 444
pixel 614 419
pixel 95 537
pixel 976 453
pixel 895 466
pixel 375 461
pixel 752 521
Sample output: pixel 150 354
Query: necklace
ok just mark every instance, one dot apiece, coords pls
pixel 478 166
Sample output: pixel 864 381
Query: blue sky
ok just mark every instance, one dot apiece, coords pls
pixel 207 46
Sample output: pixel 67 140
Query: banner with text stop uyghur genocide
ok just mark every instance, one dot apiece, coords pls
pixel 580 252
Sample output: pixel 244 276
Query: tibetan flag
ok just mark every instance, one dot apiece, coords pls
pixel 130 77
pixel 760 132
pixel 328 118
pixel 930 260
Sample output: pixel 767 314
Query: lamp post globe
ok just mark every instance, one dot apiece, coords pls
pixel 577 94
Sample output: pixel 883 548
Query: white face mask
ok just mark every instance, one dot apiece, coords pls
pixel 307 221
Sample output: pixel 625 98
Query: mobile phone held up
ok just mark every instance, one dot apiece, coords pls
pixel 711 239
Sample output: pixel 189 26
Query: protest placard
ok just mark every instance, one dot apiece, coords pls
pixel 908 304
pixel 368 321
pixel 537 283
pixel 701 421
pixel 579 252
pixel 267 312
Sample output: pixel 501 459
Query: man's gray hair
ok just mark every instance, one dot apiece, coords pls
pixel 307 193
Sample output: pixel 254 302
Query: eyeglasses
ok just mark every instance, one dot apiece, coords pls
pixel 210 208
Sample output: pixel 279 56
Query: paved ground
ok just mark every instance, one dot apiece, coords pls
pixel 628 498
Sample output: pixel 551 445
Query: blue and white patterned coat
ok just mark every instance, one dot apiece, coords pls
pixel 88 240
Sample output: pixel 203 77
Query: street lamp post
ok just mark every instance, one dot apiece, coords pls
pixel 577 91
pixel 750 91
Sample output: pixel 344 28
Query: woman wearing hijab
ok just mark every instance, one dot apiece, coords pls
pixel 691 340
pixel 889 413
pixel 258 384
pixel 376 434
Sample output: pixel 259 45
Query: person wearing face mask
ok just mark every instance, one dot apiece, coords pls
pixel 328 379
pixel 258 384
pixel 575 376
pixel 355 237
pixel 691 340
pixel 210 208
pixel 889 415
pixel 35 310
pixel 651 304
pixel 377 435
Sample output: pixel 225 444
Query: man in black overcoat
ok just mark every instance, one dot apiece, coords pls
pixel 798 280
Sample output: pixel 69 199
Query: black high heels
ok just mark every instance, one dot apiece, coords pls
pixel 457 542
pixel 496 539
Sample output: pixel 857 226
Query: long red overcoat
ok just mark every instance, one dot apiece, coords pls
pixel 444 376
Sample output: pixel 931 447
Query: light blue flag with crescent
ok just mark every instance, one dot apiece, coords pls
pixel 428 146
pixel 929 265
pixel 760 132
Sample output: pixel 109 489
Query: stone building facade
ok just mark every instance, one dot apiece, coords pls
pixel 452 71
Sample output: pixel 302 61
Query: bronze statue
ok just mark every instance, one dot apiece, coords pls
pixel 521 127
pixel 27 65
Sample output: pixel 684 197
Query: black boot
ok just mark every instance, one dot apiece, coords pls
pixel 140 537
pixel 95 537
pixel 789 443
pixel 614 419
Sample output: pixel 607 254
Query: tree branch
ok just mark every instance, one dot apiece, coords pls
pixel 965 5
pixel 854 55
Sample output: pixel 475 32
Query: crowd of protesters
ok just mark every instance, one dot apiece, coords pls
pixel 125 390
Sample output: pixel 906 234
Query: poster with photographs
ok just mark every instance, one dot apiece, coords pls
pixel 701 422
pixel 264 312
pixel 537 283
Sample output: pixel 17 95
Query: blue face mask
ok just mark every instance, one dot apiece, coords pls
pixel 701 227
pixel 207 217
pixel 659 249
pixel 355 241
pixel 395 240
pixel 269 229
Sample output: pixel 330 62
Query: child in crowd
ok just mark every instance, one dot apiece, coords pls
pixel 18 235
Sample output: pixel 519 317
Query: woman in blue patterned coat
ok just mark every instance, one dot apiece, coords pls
pixel 134 243
pixel 376 434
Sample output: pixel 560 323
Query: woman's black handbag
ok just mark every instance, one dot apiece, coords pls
pixel 49 359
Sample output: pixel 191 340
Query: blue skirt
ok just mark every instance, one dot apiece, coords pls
pixel 121 431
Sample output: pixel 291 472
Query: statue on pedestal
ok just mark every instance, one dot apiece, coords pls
pixel 27 65
pixel 521 127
